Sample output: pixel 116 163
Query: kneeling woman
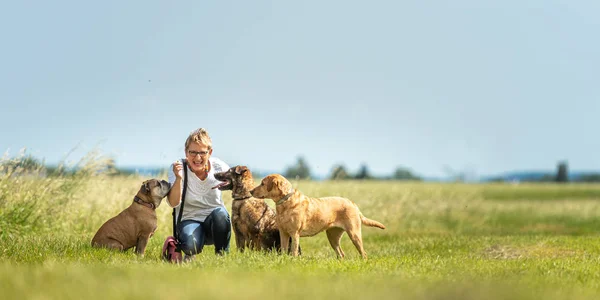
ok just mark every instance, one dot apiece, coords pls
pixel 205 219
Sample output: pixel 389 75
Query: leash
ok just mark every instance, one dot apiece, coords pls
pixel 177 221
pixel 256 227
pixel 261 217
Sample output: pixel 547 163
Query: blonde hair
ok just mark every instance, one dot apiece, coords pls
pixel 199 135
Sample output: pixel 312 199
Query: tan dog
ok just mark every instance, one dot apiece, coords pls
pixel 299 215
pixel 253 221
pixel 136 224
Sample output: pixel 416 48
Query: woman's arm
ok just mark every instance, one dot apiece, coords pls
pixel 174 197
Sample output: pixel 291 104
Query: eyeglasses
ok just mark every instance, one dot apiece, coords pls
pixel 193 153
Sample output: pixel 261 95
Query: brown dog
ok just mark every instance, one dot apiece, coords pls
pixel 253 221
pixel 299 215
pixel 136 224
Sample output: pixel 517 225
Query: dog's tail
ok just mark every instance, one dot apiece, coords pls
pixel 371 223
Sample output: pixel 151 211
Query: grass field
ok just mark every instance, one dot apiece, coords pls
pixel 443 241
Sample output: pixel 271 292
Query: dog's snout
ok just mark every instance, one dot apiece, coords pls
pixel 165 183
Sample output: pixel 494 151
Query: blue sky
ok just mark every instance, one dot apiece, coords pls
pixel 483 86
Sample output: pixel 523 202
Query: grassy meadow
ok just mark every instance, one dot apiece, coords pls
pixel 443 241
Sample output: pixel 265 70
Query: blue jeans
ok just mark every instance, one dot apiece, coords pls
pixel 215 230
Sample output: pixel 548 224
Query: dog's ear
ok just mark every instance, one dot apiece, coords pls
pixel 240 170
pixel 270 185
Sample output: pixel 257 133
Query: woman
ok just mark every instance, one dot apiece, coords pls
pixel 205 219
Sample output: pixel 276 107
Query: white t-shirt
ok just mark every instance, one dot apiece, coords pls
pixel 200 198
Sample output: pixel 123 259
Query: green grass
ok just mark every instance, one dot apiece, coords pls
pixel 541 191
pixel 443 241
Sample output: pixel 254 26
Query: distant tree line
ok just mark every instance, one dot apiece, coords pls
pixel 301 170
pixel 29 165
pixel 560 176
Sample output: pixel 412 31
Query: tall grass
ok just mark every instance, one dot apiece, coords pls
pixel 34 201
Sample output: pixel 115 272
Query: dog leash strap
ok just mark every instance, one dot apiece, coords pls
pixel 176 223
pixel 261 217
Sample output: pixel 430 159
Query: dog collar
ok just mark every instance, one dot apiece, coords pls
pixel 138 200
pixel 286 197
pixel 243 198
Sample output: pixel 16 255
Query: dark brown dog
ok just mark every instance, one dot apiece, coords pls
pixel 252 219
pixel 136 224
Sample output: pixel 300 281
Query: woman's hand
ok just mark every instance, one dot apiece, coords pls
pixel 178 169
